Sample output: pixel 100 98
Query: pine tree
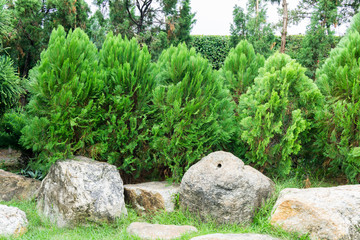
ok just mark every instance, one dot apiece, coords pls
pixel 123 135
pixel 338 79
pixel 194 114
pixel 65 88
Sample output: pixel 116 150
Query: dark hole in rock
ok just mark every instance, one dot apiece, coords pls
pixel 219 165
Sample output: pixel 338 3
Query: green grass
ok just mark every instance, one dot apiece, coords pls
pixel 42 229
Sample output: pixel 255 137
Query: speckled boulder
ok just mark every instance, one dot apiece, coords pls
pixel 221 187
pixel 13 221
pixel 80 190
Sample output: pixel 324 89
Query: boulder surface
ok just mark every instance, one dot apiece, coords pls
pixel 13 221
pixel 325 213
pixel 80 190
pixel 244 236
pixel 13 186
pixel 151 196
pixel 221 187
pixel 149 231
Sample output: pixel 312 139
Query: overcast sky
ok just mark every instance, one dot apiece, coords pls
pixel 213 17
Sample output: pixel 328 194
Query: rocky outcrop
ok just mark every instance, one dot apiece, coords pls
pixel 13 221
pixel 243 236
pixel 325 213
pixel 151 196
pixel 13 186
pixel 221 187
pixel 80 190
pixel 156 231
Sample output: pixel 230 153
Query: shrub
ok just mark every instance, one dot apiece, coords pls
pixel 240 68
pixel 277 114
pixel 11 124
pixel 123 135
pixel 213 48
pixel 194 113
pixel 10 88
pixel 338 80
pixel 65 87
pixel 239 71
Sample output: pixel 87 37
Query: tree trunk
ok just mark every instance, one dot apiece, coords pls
pixel 257 8
pixel 284 30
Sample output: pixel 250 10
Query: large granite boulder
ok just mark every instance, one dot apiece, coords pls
pixel 221 187
pixel 80 190
pixel 13 186
pixel 242 236
pixel 324 213
pixel 151 196
pixel 13 221
pixel 149 231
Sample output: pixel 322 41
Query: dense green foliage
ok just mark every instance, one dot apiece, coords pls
pixel 10 88
pixel 252 26
pixel 193 109
pixel 338 80
pixel 213 48
pixel 277 114
pixel 239 71
pixel 241 68
pixel 319 38
pixel 122 137
pixel 65 87
pixel 11 124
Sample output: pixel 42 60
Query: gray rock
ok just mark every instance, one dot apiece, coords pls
pixel 324 213
pixel 80 190
pixel 157 231
pixel 13 221
pixel 244 236
pixel 10 159
pixel 222 188
pixel 13 186
pixel 151 196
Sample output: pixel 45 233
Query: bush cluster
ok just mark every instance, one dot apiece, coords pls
pixel 156 119
pixel 213 48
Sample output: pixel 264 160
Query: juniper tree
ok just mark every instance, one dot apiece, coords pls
pixel 277 115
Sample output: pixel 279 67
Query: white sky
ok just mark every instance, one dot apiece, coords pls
pixel 213 17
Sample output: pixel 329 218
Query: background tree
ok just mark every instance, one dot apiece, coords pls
pixel 319 38
pixel 157 23
pixel 252 26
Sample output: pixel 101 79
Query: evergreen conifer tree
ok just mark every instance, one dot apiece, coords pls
pixel 194 112
pixel 124 133
pixel 338 79
pixel 65 88
pixel 277 114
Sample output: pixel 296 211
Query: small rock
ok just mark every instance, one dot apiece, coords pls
pixel 157 231
pixel 13 186
pixel 80 190
pixel 245 236
pixel 325 213
pixel 221 187
pixel 9 158
pixel 151 196
pixel 13 221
